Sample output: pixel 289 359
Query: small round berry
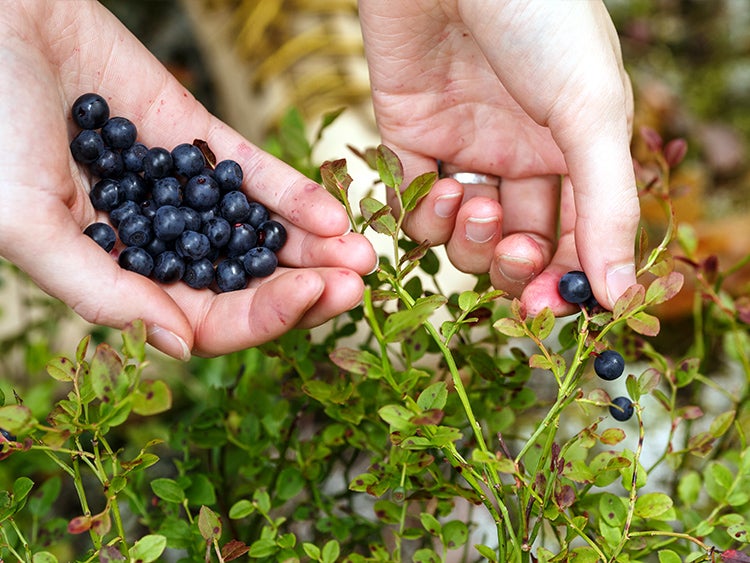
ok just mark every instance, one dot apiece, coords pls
pixel 218 230
pixel 230 275
pixel 192 219
pixel 272 235
pixel 166 191
pixel 108 165
pixel 136 230
pixel 133 187
pixel 258 214
pixel 242 239
pixel 123 211
pixel 260 262
pixel 132 157
pixel 228 174
pixel 201 192
pixel 169 267
pixel 188 160
pixel 199 274
pixel 119 133
pixel 609 365
pixel 192 245
pixel 136 260
pixel 574 287
pixel 87 146
pixel 234 207
pixel 157 163
pixel 156 246
pixel 102 234
pixel 621 409
pixel 90 111
pixel 105 194
pixel 169 222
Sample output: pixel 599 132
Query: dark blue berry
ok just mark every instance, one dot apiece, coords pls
pixel 234 207
pixel 169 267
pixel 230 275
pixel 193 220
pixel 621 409
pixel 188 160
pixel 119 133
pixel 136 260
pixel 132 158
pixel 123 211
pixel 199 274
pixel 105 195
pixel 242 239
pixel 609 365
pixel 87 146
pixel 192 245
pixel 260 262
pixel 218 230
pixel 6 436
pixel 90 111
pixel 133 187
pixel 169 222
pixel 258 214
pixel 228 174
pixel 201 192
pixel 157 162
pixel 156 246
pixel 108 165
pixel 102 234
pixel 166 191
pixel 574 287
pixel 148 208
pixel 136 230
pixel 272 235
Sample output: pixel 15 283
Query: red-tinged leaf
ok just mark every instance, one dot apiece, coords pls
pixel 416 253
pixel 565 497
pixel 369 156
pixel 612 436
pixel 649 380
pixel 389 167
pixel 734 556
pixel 209 524
pixel 335 178
pixel 675 151
pixel 509 327
pixel 62 369
pixel 664 288
pixel 645 324
pixel 631 299
pixel 101 523
pixel 208 154
pixel 355 361
pixel 518 310
pixel 430 416
pixel 233 549
pixel 690 412
pixel 742 305
pixel 80 524
pixel 652 139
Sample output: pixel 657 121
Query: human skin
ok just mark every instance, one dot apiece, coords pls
pixel 50 53
pixel 532 91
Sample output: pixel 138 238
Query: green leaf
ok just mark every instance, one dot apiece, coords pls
pixel 430 523
pixel 425 556
pixel 289 484
pixel 717 481
pixel 264 547
pixel 722 423
pixel 628 301
pixel 330 552
pixel 209 524
pixel 664 288
pixel 327 120
pixel 148 548
pixel 134 340
pixel 644 323
pixel 45 496
pixel 292 134
pixel 312 551
pixel 390 170
pixel 652 505
pixel 689 488
pixel 362 482
pixel 401 324
pixel 584 555
pixel 378 216
pixel 611 534
pixel 62 369
pixel 467 300
pixel 433 397
pixel 241 509
pixel 634 390
pixel 668 556
pixel 543 323
pixel 201 490
pixel 648 381
pixel 152 397
pixel 509 327
pixel 16 419
pixel 105 373
pixel 168 490
pixel 455 534
pixel 43 557
pixel 613 509
pixel 487 552
pixel 417 189
pixel 262 500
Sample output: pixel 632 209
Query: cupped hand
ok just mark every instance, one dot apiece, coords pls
pixel 50 53
pixel 532 91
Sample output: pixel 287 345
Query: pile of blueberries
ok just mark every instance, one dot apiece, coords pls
pixel 177 216
pixel 574 288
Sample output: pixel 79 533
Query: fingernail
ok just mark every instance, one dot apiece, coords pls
pixel 447 205
pixel 169 343
pixel 481 229
pixel 516 269
pixel 619 278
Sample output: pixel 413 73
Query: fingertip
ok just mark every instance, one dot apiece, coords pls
pixel 619 277
pixel 434 218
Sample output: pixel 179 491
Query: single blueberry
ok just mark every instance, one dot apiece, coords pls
pixel 133 187
pixel 166 191
pixel 193 245
pixel 169 267
pixel 260 262
pixel 272 235
pixel 230 275
pixel 621 409
pixel 102 234
pixel 123 211
pixel 132 157
pixel 105 194
pixel 90 111
pixel 258 214
pixel 136 260
pixel 199 274
pixel 169 222
pixel 119 133
pixel 234 207
pixel 87 146
pixel 243 237
pixel 157 163
pixel 201 192
pixel 228 174
pixel 609 365
pixel 136 230
pixel 192 219
pixel 188 160
pixel 156 246
pixel 108 165
pixel 574 287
